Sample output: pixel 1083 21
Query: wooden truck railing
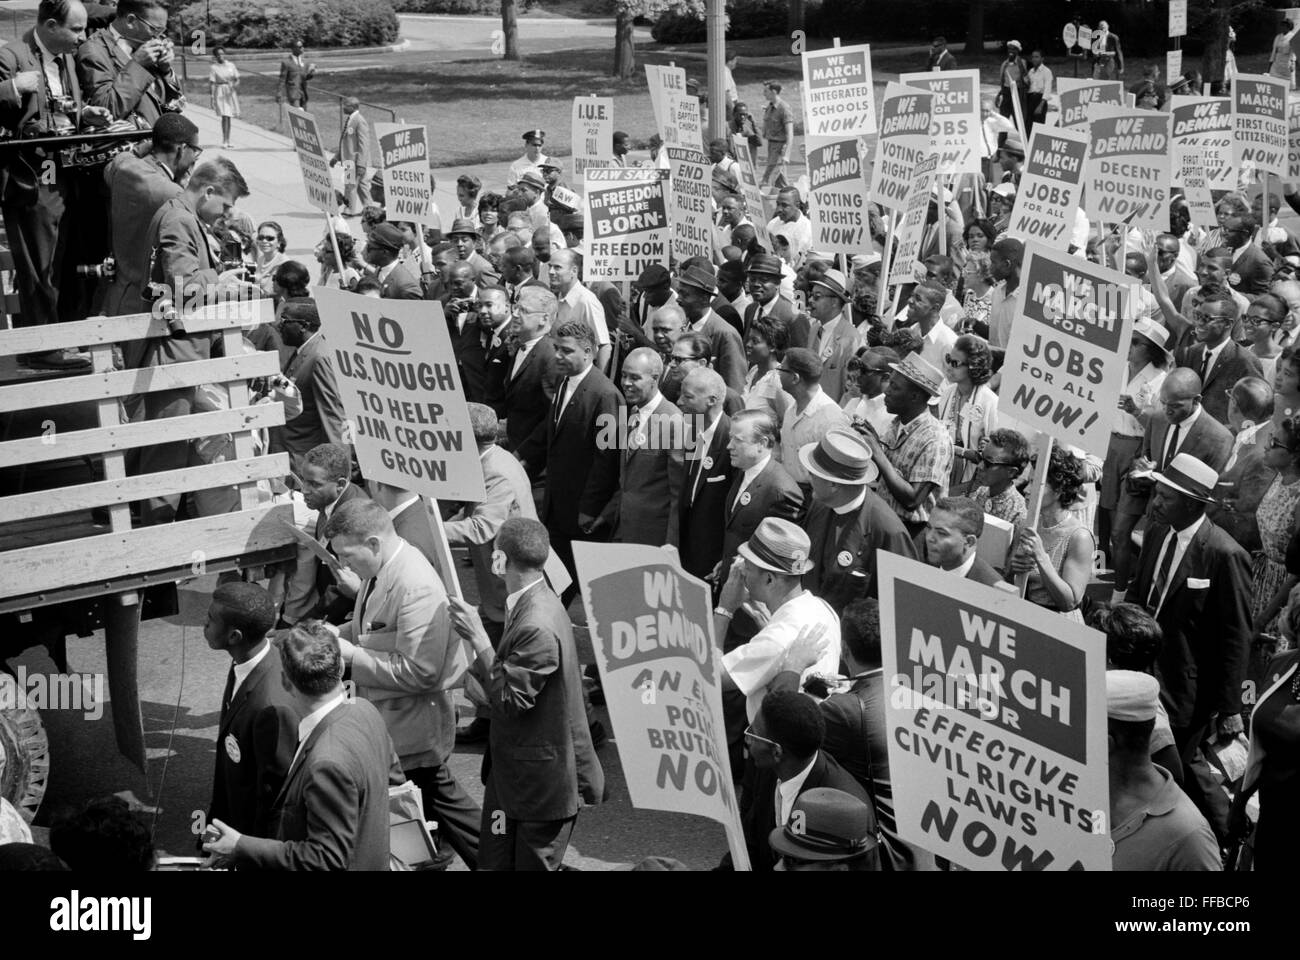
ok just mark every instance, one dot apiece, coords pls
pixel 52 551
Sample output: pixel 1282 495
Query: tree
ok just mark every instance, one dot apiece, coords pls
pixel 975 27
pixel 625 14
pixel 510 27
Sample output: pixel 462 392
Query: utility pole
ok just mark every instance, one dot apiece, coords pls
pixel 716 34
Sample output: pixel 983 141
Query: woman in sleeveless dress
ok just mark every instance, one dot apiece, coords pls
pixel 1058 554
pixel 223 81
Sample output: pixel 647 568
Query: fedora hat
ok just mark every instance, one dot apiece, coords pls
pixel 765 263
pixel 779 546
pixel 1148 329
pixel 1189 477
pixel 532 178
pixel 833 281
pixel 825 825
pixel 921 372
pixel 841 456
pixel 697 277
pixel 388 236
pixel 462 225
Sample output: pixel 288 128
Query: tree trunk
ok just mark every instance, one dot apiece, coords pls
pixel 510 27
pixel 975 29
pixel 624 48
pixel 1215 33
pixel 794 16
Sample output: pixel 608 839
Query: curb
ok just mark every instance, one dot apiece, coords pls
pixel 255 56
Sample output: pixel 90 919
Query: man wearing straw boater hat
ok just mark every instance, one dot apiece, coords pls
pixel 847 522
pixel 1195 580
pixel 915 456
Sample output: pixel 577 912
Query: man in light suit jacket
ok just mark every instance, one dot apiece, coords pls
pixel 332 813
pixel 837 338
pixel 128 66
pixel 295 71
pixel 695 290
pixel 1196 581
pixel 258 730
pixel 531 380
pixel 397 646
pixel 1218 359
pixel 644 508
pixel 311 368
pixel 582 455
pixel 1245 478
pixel 708 471
pixel 540 765
pixel 137 186
pixel 354 153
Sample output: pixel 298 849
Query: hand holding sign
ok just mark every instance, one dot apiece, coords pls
pixel 468 626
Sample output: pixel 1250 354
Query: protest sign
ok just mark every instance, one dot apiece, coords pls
pixel 566 197
pixel 747 174
pixel 625 222
pixel 408 189
pixel 904 140
pixel 1293 141
pixel 837 199
pixel 663 81
pixel 651 627
pixel 1196 191
pixel 402 394
pixel 1066 360
pixel 1076 95
pixel 1177 19
pixel 1174 63
pixel 954 120
pixel 593 133
pixel 1127 171
pixel 684 128
pixel 838 98
pixel 996 723
pixel 1203 126
pixel 1069 36
pixel 907 267
pixel 313 160
pixel 692 203
pixel 1259 124
pixel 1050 186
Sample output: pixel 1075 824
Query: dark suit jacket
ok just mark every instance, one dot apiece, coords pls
pixel 728 351
pixel 980 571
pixel 322 419
pixel 581 475
pixel 497 363
pixel 702 517
pixel 526 405
pixel 541 759
pixel 113 79
pixel 330 604
pixel 20 172
pixel 1207 440
pixel 181 254
pixel 400 285
pixel 262 724
pixel 844 549
pixel 332 813
pixel 485 273
pixel 293 78
pixel 471 358
pixel 723 308
pixel 644 508
pixel 1245 484
pixel 1206 622
pixel 137 187
pixel 758 806
pixel 1233 363
pixel 1254 271
pixel 800 330
pixel 772 494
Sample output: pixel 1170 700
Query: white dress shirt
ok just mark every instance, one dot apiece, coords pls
pixel 788 790
pixel 570 387
pixel 1180 540
pixel 1183 428
pixel 581 304
pixel 242 670
pixel 522 354
pixel 513 598
pixel 310 722
pixel 748 476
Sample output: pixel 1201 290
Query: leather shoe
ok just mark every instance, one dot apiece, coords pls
pixel 55 360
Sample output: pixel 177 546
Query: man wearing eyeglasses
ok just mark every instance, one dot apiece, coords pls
pixel 1217 358
pixel 128 67
pixel 530 382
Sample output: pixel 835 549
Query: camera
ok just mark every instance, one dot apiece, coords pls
pixel 100 271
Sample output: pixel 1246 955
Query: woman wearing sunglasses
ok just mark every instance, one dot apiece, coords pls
pixel 268 253
pixel 1277 516
pixel 968 407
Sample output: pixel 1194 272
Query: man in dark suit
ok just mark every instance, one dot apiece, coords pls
pixel 540 767
pixel 760 486
pixel 184 271
pixel 1252 270
pixel 763 281
pixel 382 252
pixel 464 237
pixel 519 270
pixel 37 195
pixel 847 521
pixel 295 71
pixel 311 368
pixel 258 729
pixel 785 743
pixel 332 813
pixel 1245 478
pixel 1177 278
pixel 128 67
pixel 494 319
pixel 461 312
pixel 581 458
pixel 951 537
pixel 530 381
pixel 708 472
pixel 1196 581
pixel 644 507
pixel 326 473
pixel 695 289
pixel 1216 357
pixel 654 289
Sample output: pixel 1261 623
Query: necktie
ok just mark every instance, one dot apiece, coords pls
pixel 229 693
pixel 1171 449
pixel 560 398
pixel 365 599
pixel 1161 581
pixel 1205 366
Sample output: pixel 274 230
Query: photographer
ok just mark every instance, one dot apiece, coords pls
pixel 40 97
pixel 127 68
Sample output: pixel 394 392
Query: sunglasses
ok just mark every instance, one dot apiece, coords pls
pixel 751 735
pixel 955 364
pixel 1276 444
pixel 1249 321
pixel 268 238
pixel 997 463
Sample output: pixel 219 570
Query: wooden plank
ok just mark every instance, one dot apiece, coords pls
pixel 125 383
pixel 83 443
pixel 110 415
pixel 135 326
pixel 125 490
pixel 240 396
pixel 34 570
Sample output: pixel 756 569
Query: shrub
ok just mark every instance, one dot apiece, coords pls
pixel 745 19
pixel 483 8
pixel 246 24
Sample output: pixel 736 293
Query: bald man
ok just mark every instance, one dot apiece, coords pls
pixel 652 456
pixel 564 271
pixel 790 223
pixel 708 470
